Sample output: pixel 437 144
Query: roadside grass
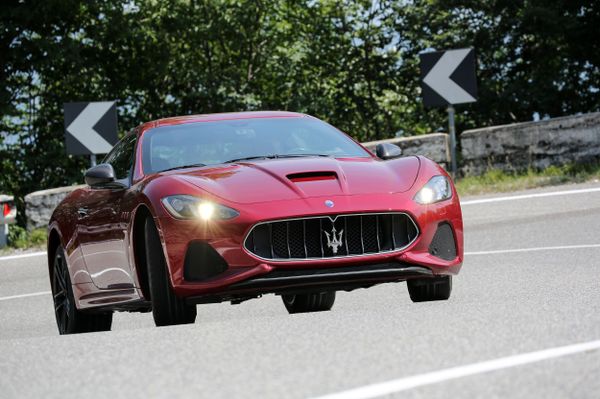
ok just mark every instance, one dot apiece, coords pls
pixel 496 181
pixel 20 238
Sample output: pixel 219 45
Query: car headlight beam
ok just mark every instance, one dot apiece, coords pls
pixel 190 207
pixel 206 210
pixel 437 189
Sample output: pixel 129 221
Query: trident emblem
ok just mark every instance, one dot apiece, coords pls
pixel 336 242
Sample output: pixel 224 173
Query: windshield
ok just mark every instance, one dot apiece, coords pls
pixel 210 143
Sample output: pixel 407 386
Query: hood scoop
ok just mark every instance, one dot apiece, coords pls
pixel 311 176
pixel 301 178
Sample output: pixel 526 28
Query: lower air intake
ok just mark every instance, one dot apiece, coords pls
pixel 443 244
pixel 202 262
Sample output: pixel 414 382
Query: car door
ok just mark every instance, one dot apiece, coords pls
pixel 102 230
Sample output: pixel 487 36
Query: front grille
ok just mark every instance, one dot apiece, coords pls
pixel 331 236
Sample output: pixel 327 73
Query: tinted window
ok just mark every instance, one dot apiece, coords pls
pixel 212 143
pixel 121 157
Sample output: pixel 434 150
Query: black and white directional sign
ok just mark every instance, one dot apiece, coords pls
pixel 448 77
pixel 90 128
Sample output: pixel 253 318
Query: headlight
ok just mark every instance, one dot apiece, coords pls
pixel 437 189
pixel 190 207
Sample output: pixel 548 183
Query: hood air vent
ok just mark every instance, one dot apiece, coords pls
pixel 311 176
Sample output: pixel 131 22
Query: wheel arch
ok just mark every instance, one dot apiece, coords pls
pixel 54 241
pixel 139 250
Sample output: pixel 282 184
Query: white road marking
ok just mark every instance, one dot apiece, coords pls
pixel 7 298
pixel 29 255
pixel 507 251
pixel 435 377
pixel 529 196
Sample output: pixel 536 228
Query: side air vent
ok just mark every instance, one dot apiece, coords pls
pixel 202 262
pixel 443 245
pixel 311 176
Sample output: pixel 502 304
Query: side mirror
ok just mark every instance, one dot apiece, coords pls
pixel 102 175
pixel 388 151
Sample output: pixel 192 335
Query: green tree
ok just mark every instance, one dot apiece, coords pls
pixel 352 63
pixel 534 56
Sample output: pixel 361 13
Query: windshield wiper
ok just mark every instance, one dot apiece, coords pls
pixel 275 156
pixel 250 158
pixel 194 165
pixel 302 155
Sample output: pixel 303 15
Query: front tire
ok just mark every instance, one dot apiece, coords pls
pixel 167 308
pixel 69 319
pixel 305 303
pixel 430 289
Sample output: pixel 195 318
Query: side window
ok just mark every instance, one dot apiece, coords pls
pixel 122 156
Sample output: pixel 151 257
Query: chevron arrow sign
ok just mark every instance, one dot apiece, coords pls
pixel 90 127
pixel 448 77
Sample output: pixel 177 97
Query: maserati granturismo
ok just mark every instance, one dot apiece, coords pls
pixel 229 207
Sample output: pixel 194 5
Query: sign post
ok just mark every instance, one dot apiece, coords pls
pixel 452 131
pixel 449 78
pixel 90 128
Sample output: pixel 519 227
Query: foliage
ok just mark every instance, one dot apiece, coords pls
pixel 18 237
pixel 534 56
pixel 353 63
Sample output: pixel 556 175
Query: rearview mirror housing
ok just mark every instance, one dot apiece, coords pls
pixel 101 176
pixel 388 151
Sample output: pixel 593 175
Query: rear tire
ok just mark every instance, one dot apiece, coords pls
pixel 430 289
pixel 304 303
pixel 69 319
pixel 167 308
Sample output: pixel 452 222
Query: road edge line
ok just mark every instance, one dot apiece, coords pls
pixel 407 383
pixel 533 249
pixel 29 255
pixel 7 298
pixel 529 196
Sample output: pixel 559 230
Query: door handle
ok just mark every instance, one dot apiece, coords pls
pixel 82 212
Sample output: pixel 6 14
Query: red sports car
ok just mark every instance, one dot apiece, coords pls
pixel 229 207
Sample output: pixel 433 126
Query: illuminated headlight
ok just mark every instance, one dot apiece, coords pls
pixel 190 207
pixel 437 189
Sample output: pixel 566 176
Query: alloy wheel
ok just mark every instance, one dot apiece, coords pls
pixel 60 291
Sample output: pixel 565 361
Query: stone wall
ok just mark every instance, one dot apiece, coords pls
pixel 434 146
pixel 536 145
pixel 40 205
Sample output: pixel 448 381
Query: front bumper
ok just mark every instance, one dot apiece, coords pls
pixel 293 281
pixel 227 239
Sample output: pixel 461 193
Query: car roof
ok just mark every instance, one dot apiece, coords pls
pixel 178 120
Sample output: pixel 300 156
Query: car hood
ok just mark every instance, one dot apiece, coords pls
pixel 287 179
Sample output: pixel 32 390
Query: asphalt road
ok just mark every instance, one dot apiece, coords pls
pixel 504 303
